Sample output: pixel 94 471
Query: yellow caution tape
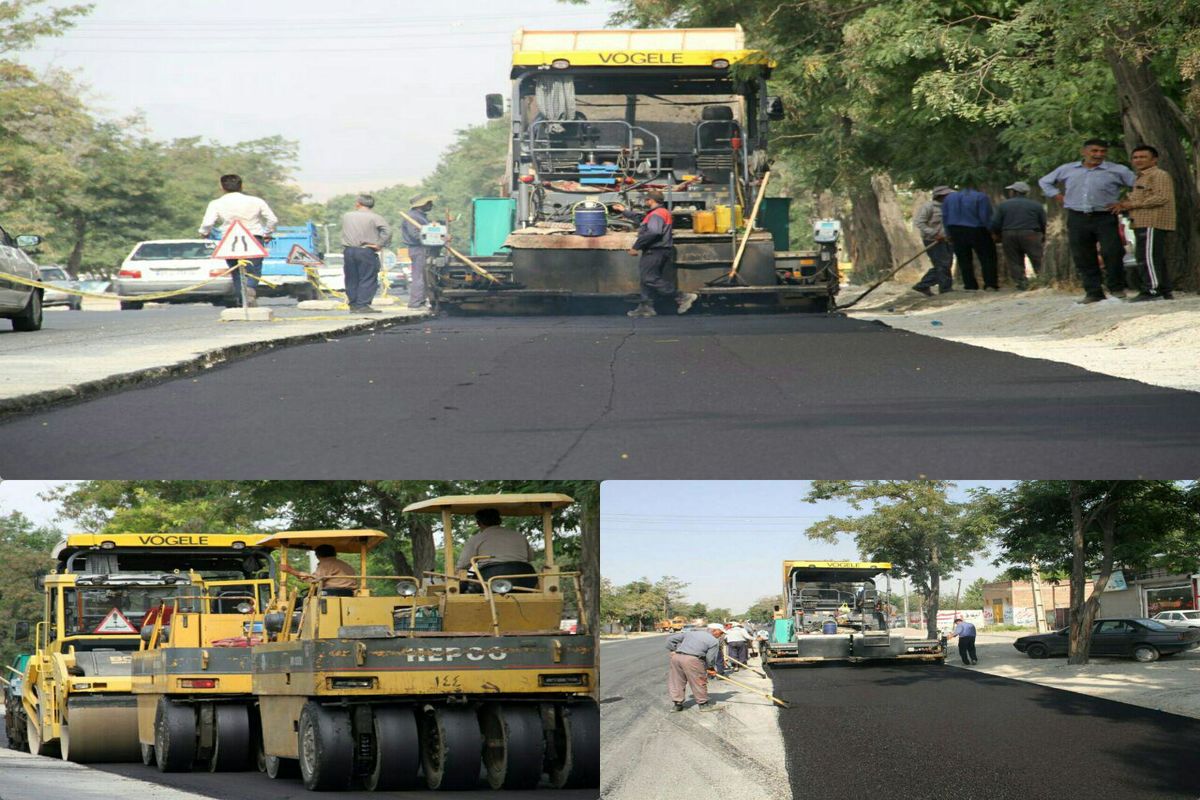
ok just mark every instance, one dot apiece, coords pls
pixel 147 298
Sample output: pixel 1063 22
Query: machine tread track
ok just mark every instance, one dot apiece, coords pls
pixel 326 747
pixel 174 736
pixel 451 747
pixel 575 757
pixel 232 751
pixel 397 749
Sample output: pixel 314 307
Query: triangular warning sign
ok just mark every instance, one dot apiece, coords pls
pixel 299 255
pixel 239 242
pixel 115 622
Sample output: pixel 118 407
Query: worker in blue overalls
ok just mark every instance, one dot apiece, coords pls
pixel 655 249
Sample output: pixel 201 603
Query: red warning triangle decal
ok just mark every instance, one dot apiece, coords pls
pixel 239 242
pixel 115 622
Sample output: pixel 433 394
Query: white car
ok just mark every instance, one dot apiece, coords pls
pixel 166 265
pixel 1179 619
pixel 331 273
pixel 57 276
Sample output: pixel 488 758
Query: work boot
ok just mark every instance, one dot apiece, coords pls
pixel 704 707
pixel 685 300
pixel 679 706
pixel 1142 297
pixel 925 290
pixel 1091 298
pixel 1117 293
pixel 642 310
pixel 369 310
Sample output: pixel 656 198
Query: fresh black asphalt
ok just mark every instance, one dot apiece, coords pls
pixel 608 397
pixel 925 732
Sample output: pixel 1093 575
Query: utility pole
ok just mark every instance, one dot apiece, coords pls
pixel 905 590
pixel 957 594
pixel 1039 610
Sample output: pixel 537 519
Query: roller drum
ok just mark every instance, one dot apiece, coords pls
pixel 100 728
pixel 576 757
pixel 514 746
pixel 451 747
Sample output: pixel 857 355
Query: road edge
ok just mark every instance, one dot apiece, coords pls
pixel 50 398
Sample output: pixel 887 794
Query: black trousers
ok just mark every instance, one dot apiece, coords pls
pixel 1151 249
pixel 253 272
pixel 977 241
pixel 739 651
pixel 966 649
pixel 361 271
pixel 941 256
pixel 653 267
pixel 1086 233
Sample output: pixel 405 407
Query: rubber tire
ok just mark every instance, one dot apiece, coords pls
pixel 30 318
pixel 231 750
pixel 148 759
pixel 451 747
pixel 281 768
pixel 326 748
pixel 1037 651
pixel 577 747
pixel 1145 653
pixel 174 736
pixel 131 305
pixel 397 750
pixel 514 745
pixel 76 304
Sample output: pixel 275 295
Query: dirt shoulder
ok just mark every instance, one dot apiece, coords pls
pixel 1156 343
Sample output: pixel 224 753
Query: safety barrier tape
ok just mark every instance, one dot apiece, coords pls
pixel 146 298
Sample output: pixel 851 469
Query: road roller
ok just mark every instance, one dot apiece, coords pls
pixel 448 678
pixel 191 676
pixel 77 697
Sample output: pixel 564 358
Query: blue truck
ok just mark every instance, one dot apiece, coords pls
pixel 290 279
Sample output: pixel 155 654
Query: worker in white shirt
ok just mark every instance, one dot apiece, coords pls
pixel 255 214
pixel 737 640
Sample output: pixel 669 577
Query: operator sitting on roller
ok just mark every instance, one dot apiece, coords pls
pixel 657 252
pixel 342 579
pixel 693 658
pixel 499 551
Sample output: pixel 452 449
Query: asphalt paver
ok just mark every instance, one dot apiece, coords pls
pixel 928 732
pixel 698 396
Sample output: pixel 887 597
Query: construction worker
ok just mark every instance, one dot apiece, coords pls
pixel 421 205
pixel 965 632
pixel 737 640
pixel 342 578
pixel 258 218
pixel 364 234
pixel 778 614
pixel 498 551
pixel 693 658
pixel 655 249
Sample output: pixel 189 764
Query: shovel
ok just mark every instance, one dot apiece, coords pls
pixel 880 282
pixel 732 278
pixel 732 660
pixel 770 697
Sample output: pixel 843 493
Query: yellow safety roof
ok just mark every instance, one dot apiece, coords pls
pixel 649 47
pixel 91 540
pixel 836 571
pixel 514 505
pixel 342 541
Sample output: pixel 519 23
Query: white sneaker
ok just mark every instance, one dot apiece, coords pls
pixel 685 301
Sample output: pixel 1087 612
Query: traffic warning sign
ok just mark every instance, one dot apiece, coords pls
pixel 300 256
pixel 115 622
pixel 239 242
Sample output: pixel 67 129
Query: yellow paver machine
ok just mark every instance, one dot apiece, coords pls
pixel 77 696
pixel 449 676
pixel 835 613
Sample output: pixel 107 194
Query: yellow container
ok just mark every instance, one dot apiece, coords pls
pixel 704 222
pixel 723 218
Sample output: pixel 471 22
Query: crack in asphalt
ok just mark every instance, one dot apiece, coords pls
pixel 608 404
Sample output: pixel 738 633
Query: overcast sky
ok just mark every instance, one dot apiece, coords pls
pixel 372 89
pixel 728 539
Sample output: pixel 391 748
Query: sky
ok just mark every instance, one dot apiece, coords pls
pixel 727 539
pixel 23 496
pixel 373 90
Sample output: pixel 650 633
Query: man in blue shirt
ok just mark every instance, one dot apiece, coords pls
pixel 693 658
pixel 965 632
pixel 967 217
pixel 1090 188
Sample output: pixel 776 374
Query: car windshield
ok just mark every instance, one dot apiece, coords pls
pixel 92 610
pixel 53 274
pixel 165 251
pixel 1152 624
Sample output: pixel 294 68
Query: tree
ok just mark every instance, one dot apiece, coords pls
pixel 1089 528
pixel 670 589
pixel 912 524
pixel 972 596
pixel 26 549
pixel 764 608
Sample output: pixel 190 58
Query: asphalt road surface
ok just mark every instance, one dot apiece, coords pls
pixel 248 786
pixel 926 732
pixel 693 396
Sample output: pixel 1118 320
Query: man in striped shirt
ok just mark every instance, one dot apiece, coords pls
pixel 1151 205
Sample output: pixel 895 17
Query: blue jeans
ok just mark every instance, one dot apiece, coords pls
pixel 253 272
pixel 361 271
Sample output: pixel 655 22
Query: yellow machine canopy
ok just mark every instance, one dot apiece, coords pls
pixel 664 47
pixel 511 505
pixel 353 541
pixel 833 571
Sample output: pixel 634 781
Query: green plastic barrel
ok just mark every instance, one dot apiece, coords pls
pixel 783 631
pixel 491 223
pixel 775 216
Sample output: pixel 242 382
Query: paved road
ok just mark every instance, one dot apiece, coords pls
pixel 694 396
pixel 922 732
pixel 41 779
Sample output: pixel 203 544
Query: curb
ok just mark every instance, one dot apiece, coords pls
pixel 36 401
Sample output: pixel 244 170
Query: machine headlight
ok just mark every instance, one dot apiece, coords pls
pixel 720 63
pixel 560 63
pixel 107 545
pixel 406 588
pixel 81 685
pixel 502 586
pixel 244 607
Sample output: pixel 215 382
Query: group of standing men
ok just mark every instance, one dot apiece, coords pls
pixel 961 225
pixel 364 235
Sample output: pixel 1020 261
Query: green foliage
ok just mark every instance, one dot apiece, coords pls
pixel 763 608
pixel 26 549
pixel 972 596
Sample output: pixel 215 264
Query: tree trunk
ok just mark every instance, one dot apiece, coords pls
pixel 1079 640
pixel 79 227
pixel 589 558
pixel 420 534
pixel 868 245
pixel 903 240
pixel 1147 117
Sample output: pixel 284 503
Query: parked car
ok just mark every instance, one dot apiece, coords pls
pixel 166 265
pixel 19 303
pixel 1143 639
pixel 332 274
pixel 58 276
pixel 1178 619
